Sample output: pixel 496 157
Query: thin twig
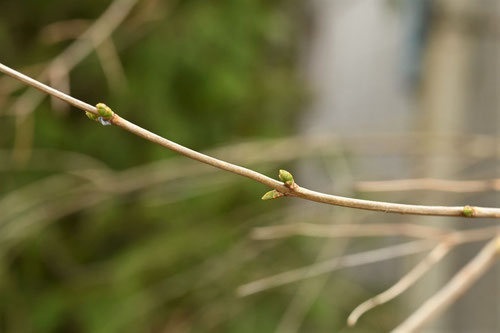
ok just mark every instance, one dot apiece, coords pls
pixel 403 284
pixel 363 258
pixel 455 288
pixel 94 36
pixel 429 184
pixel 309 291
pixel 111 65
pixel 63 30
pixel 350 260
pixel 59 79
pixel 349 230
pixel 99 31
pixel 295 191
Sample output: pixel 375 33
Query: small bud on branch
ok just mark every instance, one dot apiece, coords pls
pixel 272 195
pixel 287 178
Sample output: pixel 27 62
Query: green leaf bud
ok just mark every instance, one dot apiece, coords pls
pixel 104 110
pixel 468 211
pixel 286 177
pixel 273 194
pixel 91 116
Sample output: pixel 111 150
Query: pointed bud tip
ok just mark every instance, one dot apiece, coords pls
pixel 91 116
pixel 273 194
pixel 285 176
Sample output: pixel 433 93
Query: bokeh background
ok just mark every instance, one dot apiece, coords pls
pixel 101 231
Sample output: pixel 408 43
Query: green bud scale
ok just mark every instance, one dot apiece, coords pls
pixel 286 177
pixel 91 116
pixel 104 110
pixel 272 195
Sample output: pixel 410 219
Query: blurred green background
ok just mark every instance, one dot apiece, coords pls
pixel 105 232
pixel 101 231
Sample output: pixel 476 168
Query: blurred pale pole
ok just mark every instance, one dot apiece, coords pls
pixel 445 101
pixel 445 82
pixel 351 63
pixel 353 69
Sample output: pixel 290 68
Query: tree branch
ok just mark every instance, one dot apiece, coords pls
pixel 294 191
pixel 429 184
pixel 455 288
pixel 349 230
pixel 403 284
pixel 95 35
pixel 453 238
pixel 327 266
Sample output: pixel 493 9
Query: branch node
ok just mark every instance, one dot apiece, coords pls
pixel 104 114
pixel 104 110
pixel 468 211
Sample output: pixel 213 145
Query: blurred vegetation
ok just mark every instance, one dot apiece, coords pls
pixel 204 73
pixel 105 232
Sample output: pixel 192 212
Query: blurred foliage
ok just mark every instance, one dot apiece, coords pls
pixel 165 257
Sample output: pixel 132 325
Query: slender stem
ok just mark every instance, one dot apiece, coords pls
pixel 327 266
pixel 455 288
pixel 362 258
pixel 464 211
pixel 403 284
pixel 139 131
pixel 429 184
pixel 95 35
pixel 48 90
pixel 349 230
